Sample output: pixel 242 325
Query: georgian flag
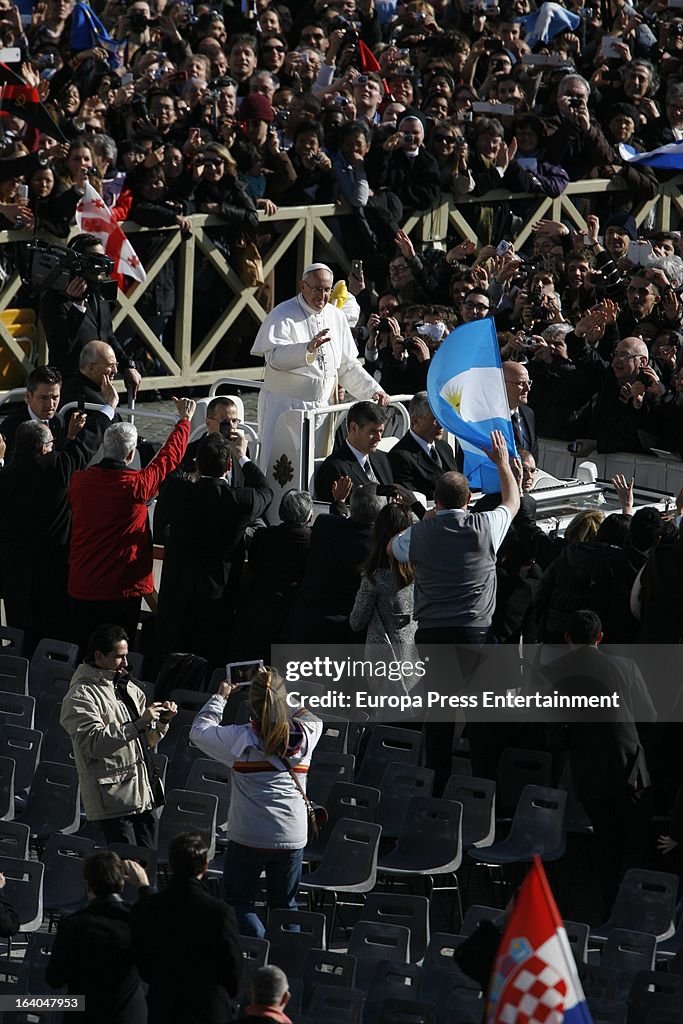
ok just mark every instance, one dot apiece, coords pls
pixel 94 216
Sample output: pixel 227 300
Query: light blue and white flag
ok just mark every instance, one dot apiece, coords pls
pixel 467 395
pixel 88 32
pixel 666 158
pixel 547 22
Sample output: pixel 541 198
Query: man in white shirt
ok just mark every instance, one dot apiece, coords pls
pixel 308 349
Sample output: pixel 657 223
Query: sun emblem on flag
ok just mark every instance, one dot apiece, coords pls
pixel 454 397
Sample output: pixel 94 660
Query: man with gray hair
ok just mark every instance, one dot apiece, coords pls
pixel 422 455
pixel 308 349
pixel 110 559
pixel 574 141
pixel 269 993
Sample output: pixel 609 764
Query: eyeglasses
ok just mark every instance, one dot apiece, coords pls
pixel 624 355
pixel 399 266
pixel 450 139
pixel 273 49
pixel 478 307
pixel 317 290
pixel 523 385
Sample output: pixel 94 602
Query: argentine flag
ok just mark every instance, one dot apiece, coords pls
pixel 666 158
pixel 534 975
pixel 467 395
pixel 547 22
pixel 87 32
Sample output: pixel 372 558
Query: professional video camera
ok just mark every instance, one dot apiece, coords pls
pixel 51 265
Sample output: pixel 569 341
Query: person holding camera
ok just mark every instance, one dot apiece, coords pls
pixel 114 732
pixel 626 388
pixel 402 165
pixel 575 141
pixel 268 817
pixel 81 313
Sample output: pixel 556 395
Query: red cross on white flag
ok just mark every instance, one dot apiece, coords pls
pixel 94 216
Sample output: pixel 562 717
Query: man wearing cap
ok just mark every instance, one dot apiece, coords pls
pixel 308 349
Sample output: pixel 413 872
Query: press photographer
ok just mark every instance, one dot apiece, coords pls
pixel 75 303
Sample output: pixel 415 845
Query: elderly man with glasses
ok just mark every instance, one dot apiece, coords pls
pixel 308 349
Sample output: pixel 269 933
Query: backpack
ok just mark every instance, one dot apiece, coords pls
pixel 182 672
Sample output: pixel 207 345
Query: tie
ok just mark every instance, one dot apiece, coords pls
pixel 434 455
pixel 368 470
pixel 519 431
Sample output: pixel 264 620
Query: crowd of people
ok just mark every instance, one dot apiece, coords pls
pixel 212 110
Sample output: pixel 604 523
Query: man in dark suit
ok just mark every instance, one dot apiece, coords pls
pixel 421 456
pixel 339 547
pixel 93 384
pixel 517 387
pixel 93 952
pixel 43 389
pixel 186 943
pixel 35 526
pixel 608 764
pixel 201 525
pixel 357 458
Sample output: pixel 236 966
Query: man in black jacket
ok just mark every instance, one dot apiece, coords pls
pixel 93 953
pixel 608 764
pixel 80 314
pixel 357 458
pixel 43 389
pixel 406 168
pixel 201 525
pixel 626 388
pixel 186 943
pixel 36 522
pixel 421 456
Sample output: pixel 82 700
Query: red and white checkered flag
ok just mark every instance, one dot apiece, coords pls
pixel 94 216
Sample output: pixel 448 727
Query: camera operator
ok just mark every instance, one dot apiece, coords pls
pixel 81 314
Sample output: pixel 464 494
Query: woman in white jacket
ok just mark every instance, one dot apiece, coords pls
pixel 267 822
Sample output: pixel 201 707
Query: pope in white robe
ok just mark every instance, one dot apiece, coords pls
pixel 308 349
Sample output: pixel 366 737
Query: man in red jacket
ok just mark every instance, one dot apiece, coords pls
pixel 110 558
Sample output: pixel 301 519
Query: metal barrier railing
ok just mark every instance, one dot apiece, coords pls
pixel 299 233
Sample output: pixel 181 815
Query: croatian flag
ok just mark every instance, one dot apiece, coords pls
pixel 547 22
pixel 94 216
pixel 666 158
pixel 535 980
pixel 467 395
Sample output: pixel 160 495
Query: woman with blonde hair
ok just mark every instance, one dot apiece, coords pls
pixel 268 820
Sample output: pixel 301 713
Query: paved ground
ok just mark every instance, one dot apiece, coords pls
pixel 157 430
